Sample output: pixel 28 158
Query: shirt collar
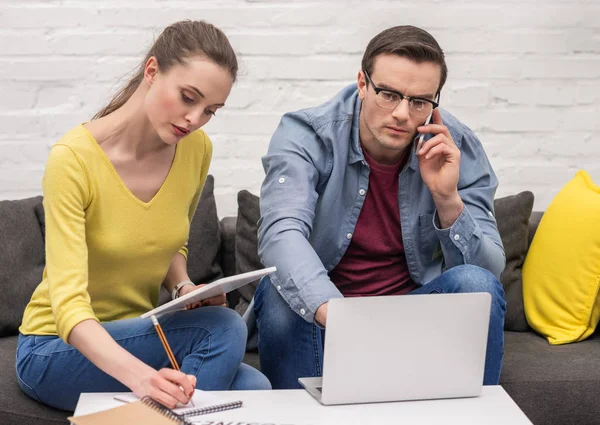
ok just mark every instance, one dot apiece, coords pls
pixel 355 154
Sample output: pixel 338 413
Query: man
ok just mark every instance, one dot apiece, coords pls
pixel 349 208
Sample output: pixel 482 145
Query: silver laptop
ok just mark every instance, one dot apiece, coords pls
pixel 408 347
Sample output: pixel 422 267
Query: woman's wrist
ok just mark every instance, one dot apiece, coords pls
pixel 136 376
pixel 176 293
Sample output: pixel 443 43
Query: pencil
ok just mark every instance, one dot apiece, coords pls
pixel 165 343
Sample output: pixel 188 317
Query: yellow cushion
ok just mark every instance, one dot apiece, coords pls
pixel 561 274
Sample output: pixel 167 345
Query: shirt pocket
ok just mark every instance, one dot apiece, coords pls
pixel 429 244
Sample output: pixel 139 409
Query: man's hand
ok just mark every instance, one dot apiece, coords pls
pixel 439 163
pixel 321 314
pixel 219 300
pixel 439 159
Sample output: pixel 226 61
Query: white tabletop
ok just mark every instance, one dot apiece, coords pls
pixel 297 407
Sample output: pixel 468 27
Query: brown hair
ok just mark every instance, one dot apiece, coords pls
pixel 174 45
pixel 407 41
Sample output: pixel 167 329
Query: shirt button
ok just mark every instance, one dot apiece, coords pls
pixel 490 214
pixel 362 192
pixel 349 236
pixel 281 180
pixel 279 287
pixel 302 311
pixel 456 237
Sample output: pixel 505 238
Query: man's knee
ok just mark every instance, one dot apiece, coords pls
pixel 469 278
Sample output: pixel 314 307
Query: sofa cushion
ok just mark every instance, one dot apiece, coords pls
pixel 534 222
pixel 21 260
pixel 246 244
pixel 204 244
pixel 228 225
pixel 16 408
pixel 39 213
pixel 512 217
pixel 553 384
pixel 562 271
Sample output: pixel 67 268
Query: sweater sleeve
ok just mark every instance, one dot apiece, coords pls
pixel 66 196
pixel 203 173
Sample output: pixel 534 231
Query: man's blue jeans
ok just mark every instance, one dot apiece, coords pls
pixel 208 342
pixel 290 347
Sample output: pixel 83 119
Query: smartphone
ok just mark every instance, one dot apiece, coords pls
pixel 419 141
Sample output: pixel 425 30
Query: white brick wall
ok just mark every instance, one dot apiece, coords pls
pixel 524 74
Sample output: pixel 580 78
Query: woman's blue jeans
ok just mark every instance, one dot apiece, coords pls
pixel 208 342
pixel 290 347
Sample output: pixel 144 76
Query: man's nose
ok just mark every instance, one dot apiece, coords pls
pixel 402 111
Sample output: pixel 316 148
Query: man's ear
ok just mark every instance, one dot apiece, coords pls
pixel 150 70
pixel 361 82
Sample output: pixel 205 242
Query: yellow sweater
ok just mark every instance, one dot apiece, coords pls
pixel 107 252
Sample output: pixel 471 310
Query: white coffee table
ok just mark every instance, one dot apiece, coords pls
pixel 297 407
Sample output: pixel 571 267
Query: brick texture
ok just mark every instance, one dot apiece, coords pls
pixel 524 74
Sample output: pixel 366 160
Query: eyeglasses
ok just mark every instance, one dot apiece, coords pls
pixel 390 99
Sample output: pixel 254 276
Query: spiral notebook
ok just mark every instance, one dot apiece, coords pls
pixel 148 412
pixel 200 400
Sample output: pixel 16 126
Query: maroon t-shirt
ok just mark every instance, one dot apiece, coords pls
pixel 374 263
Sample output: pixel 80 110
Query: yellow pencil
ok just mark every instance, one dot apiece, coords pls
pixel 166 345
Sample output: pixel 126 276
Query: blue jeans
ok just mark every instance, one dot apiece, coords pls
pixel 208 342
pixel 290 347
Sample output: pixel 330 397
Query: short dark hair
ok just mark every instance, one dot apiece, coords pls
pixel 407 41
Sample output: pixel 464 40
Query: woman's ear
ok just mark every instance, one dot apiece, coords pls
pixel 150 70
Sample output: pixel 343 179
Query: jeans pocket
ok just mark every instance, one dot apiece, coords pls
pixel 22 362
pixel 29 366
pixel 27 389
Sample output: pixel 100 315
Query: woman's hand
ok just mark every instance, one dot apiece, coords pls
pixel 167 386
pixel 219 300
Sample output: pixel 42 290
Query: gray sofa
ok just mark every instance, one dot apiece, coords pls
pixel 551 384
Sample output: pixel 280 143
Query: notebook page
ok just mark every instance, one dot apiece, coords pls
pixel 200 399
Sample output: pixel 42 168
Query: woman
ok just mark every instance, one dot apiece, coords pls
pixel 119 194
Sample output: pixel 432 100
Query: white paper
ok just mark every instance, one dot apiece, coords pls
pixel 200 399
pixel 218 287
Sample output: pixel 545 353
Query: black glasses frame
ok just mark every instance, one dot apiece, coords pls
pixel 402 96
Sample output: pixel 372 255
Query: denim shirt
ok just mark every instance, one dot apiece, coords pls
pixel 315 186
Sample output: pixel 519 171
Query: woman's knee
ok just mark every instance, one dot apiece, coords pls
pixel 230 322
pixel 224 326
pixel 249 378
